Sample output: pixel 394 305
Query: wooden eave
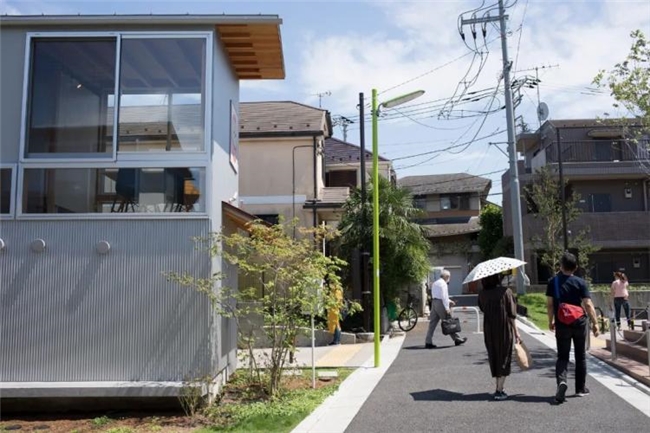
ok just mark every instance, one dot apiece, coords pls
pixel 254 50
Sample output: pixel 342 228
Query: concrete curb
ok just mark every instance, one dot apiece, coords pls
pixel 336 413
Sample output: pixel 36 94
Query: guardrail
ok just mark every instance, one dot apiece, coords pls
pixel 466 310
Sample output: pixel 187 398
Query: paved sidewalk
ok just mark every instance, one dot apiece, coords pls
pixel 338 410
pixel 342 355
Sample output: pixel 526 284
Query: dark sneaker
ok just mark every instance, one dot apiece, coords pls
pixel 430 346
pixel 560 394
pixel 461 341
pixel 583 393
pixel 500 395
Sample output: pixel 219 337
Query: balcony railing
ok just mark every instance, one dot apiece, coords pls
pixel 606 229
pixel 599 151
pixel 334 194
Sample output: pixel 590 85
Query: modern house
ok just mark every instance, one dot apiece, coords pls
pixel 312 172
pixel 452 204
pixel 119 143
pixel 610 170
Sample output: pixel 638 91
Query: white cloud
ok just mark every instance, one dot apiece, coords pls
pixel 582 37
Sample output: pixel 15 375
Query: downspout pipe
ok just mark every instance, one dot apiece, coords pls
pixel 315 215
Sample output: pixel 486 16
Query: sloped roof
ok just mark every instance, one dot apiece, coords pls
pixel 445 183
pixel 339 151
pixel 442 230
pixel 278 117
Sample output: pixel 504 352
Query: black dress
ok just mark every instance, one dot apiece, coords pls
pixel 499 309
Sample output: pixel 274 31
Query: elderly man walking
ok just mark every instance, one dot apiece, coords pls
pixel 440 309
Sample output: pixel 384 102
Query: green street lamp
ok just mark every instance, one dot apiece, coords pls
pixel 375 204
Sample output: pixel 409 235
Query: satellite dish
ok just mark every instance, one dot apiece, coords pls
pixel 542 111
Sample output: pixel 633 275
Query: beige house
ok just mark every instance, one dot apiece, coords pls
pixel 452 205
pixel 290 166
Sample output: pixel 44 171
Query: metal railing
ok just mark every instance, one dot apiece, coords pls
pixel 599 150
pixel 467 309
pixel 614 331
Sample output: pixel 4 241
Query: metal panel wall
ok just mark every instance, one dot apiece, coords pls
pixel 70 313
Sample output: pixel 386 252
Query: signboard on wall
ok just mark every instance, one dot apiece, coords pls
pixel 234 138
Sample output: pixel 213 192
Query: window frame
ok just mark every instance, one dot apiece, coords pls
pixel 120 35
pixel 192 159
pixel 12 191
pixel 115 215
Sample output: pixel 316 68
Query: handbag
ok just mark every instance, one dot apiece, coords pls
pixel 567 313
pixel 450 325
pixel 522 356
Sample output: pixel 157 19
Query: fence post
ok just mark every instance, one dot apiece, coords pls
pixel 612 332
pixel 647 345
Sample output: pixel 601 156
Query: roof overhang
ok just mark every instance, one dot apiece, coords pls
pixel 239 217
pixel 255 50
pixel 527 141
pixel 252 42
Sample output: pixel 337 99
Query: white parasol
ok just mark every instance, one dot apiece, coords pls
pixel 491 267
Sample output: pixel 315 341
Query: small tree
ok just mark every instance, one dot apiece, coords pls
pixel 544 200
pixel 289 271
pixel 629 82
pixel 403 246
pixel 491 233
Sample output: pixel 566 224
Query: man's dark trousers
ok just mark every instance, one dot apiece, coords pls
pixel 564 335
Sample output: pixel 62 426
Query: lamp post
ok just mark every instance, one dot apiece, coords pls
pixel 375 205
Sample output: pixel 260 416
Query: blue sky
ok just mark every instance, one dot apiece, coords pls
pixel 349 47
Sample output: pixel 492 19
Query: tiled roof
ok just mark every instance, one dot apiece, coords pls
pixel 280 117
pixel 339 151
pixel 445 183
pixel 442 230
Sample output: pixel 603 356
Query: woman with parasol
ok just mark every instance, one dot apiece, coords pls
pixel 499 313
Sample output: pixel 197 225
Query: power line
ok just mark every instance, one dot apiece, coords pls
pixel 431 152
pixel 521 32
pixel 424 74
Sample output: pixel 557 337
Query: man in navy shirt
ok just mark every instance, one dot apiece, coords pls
pixel 567 288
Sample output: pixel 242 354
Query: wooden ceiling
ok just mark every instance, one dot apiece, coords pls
pixel 255 50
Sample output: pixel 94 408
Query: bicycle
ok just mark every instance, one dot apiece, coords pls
pixel 408 318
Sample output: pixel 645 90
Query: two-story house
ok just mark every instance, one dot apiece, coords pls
pixel 452 204
pixel 292 167
pixel 118 145
pixel 611 174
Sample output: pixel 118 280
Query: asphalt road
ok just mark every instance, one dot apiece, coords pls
pixel 449 389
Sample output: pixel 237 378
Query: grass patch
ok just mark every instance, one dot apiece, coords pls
pixel 247 413
pixel 536 305
pixel 101 421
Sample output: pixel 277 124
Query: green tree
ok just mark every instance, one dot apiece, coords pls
pixel 283 276
pixel 403 246
pixel 491 233
pixel 629 83
pixel 544 201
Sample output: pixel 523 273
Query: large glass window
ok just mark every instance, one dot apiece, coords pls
pixel 110 190
pixel 5 190
pixel 71 83
pixel 162 95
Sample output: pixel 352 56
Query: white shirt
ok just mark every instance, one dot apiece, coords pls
pixel 439 290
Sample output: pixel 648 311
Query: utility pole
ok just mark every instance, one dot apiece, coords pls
pixel 343 122
pixel 365 255
pixel 512 150
pixel 565 233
